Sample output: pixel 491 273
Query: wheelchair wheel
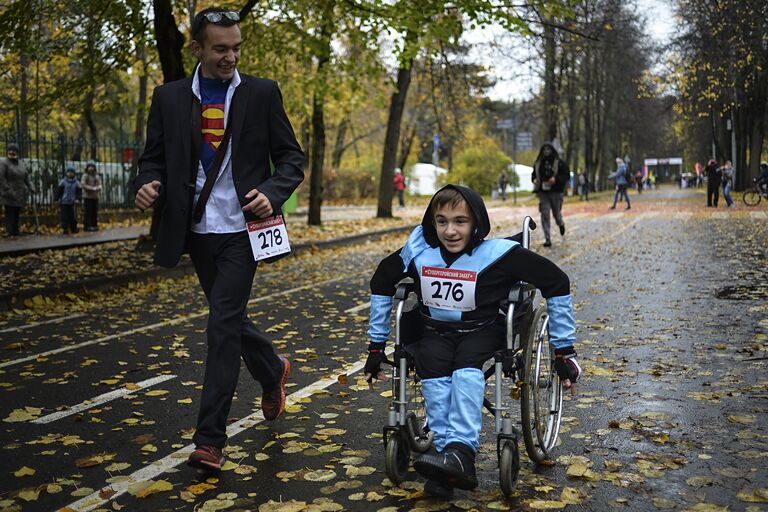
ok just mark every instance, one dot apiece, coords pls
pixel 397 457
pixel 541 401
pixel 751 197
pixel 509 467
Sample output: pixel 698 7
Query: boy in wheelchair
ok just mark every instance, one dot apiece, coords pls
pixel 460 279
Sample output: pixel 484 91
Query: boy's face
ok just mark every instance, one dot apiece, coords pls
pixel 454 226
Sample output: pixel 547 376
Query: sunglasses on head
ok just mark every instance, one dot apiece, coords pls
pixel 217 16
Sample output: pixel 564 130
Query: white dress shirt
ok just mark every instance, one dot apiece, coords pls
pixel 223 213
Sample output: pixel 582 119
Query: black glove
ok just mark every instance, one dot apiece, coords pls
pixel 566 364
pixel 376 356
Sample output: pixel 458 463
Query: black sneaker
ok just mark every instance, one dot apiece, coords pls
pixel 548 243
pixel 438 490
pixel 455 467
pixel 562 230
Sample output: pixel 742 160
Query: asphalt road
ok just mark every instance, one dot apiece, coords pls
pixel 99 403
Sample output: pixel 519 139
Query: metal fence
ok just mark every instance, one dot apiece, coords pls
pixel 47 157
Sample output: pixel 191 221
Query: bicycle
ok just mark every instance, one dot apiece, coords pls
pixel 753 196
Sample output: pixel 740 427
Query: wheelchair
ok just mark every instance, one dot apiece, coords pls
pixel 522 371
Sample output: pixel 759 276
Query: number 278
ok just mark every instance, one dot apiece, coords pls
pixel 270 237
pixel 447 290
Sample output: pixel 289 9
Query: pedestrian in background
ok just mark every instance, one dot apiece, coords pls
pixel 68 194
pixel 713 183
pixel 583 186
pixel 14 188
pixel 623 178
pixel 239 131
pixel 91 183
pixel 503 182
pixel 550 176
pixel 399 183
pixel 726 174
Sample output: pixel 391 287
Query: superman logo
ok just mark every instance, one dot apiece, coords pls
pixel 213 124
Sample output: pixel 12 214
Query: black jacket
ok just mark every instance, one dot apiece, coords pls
pixel 552 166
pixel 261 132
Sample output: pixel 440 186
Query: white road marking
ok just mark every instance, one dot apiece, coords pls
pixel 44 322
pixel 158 467
pixel 758 215
pixel 164 323
pixel 359 307
pixel 101 399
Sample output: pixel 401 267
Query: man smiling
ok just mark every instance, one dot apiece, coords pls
pixel 210 141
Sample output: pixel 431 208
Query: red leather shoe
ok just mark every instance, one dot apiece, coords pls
pixel 273 401
pixel 206 457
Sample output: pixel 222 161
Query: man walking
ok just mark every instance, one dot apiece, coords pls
pixel 623 179
pixel 714 176
pixel 550 176
pixel 210 140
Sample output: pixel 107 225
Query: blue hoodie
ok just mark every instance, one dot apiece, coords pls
pixel 69 190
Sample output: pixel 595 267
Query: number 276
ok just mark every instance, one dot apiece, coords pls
pixel 447 290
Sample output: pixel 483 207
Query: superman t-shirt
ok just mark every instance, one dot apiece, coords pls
pixel 213 94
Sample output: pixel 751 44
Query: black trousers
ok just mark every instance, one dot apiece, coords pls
pixel 68 218
pixel 225 267
pixel 12 220
pixel 91 207
pixel 713 193
pixel 439 355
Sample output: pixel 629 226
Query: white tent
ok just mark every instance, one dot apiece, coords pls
pixel 422 179
pixel 524 172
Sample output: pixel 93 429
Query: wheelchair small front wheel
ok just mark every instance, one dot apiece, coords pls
pixel 397 457
pixel 509 467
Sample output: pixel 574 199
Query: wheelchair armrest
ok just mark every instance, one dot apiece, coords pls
pixel 404 288
pixel 516 293
pixel 519 292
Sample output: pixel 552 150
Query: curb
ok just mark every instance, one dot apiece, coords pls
pixel 16 299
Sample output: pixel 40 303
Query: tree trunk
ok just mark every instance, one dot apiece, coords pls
pixel 392 137
pixel 318 118
pixel 318 154
pixel 170 41
pixel 338 146
pixel 141 108
pixel 550 87
pixel 405 147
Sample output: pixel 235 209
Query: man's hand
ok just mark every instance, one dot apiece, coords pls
pixel 372 369
pixel 551 180
pixel 260 206
pixel 147 195
pixel 567 368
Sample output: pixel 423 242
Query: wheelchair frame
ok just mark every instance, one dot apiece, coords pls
pixel 526 364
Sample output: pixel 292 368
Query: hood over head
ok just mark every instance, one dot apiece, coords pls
pixel 550 146
pixel 476 205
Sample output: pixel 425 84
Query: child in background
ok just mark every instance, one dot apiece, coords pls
pixel 68 193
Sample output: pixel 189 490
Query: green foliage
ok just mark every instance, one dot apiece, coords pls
pixel 479 165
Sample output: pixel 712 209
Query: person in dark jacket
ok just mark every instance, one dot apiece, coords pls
pixel 714 177
pixel 550 177
pixel 14 188
pixel 460 279
pixel 68 194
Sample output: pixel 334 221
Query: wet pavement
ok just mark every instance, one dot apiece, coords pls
pixel 99 396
